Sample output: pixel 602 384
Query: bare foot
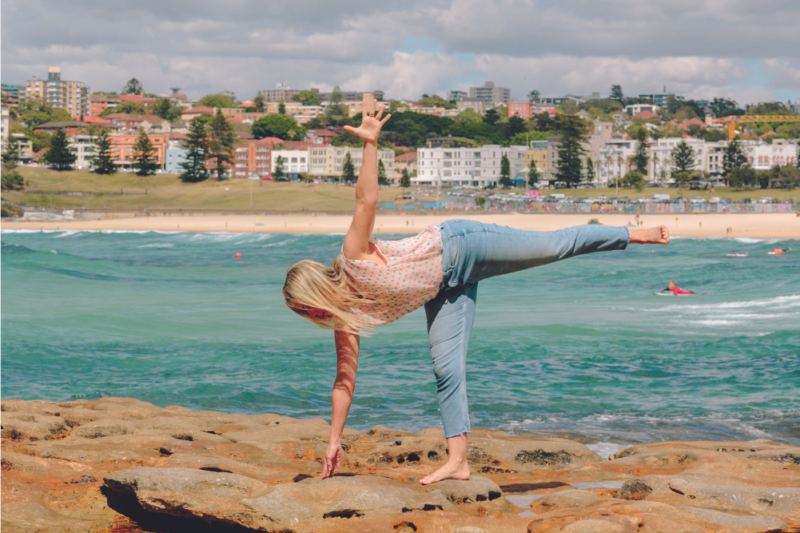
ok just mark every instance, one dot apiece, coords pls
pixel 451 470
pixel 657 235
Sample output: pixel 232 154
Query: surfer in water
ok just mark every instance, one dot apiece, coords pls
pixel 677 291
pixel 374 282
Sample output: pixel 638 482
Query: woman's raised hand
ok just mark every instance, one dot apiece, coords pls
pixel 371 125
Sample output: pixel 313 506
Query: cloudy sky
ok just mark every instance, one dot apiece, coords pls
pixel 743 49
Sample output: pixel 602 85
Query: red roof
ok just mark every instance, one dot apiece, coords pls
pixel 767 134
pixel 408 157
pixel 275 140
pixel 177 136
pixel 89 119
pixel 324 133
pixel 298 145
pixel 135 98
pixel 134 118
pixel 646 114
pixel 202 110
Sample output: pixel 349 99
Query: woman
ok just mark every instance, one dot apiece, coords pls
pixel 375 282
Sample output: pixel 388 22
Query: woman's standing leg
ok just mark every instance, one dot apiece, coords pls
pixel 450 316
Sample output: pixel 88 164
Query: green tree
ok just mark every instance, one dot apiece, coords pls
pixel 515 125
pixel 220 143
pixel 218 100
pixel 131 108
pixel 382 179
pixel 167 109
pixel 278 172
pixel 133 86
pixel 103 162
pixel 10 153
pixel 682 159
pixel 616 93
pixel 491 117
pixel 144 156
pixel 724 107
pixel 634 179
pixel 533 175
pixel 589 174
pixel 348 169
pixel 307 98
pixel 281 126
pixel 742 177
pixel 572 133
pixel 533 96
pixel 569 107
pixel 641 157
pixel 405 179
pixel 196 144
pixel 505 172
pixel 734 157
pixel 60 155
pixel 335 107
pixel 12 181
pixel 789 177
pixel 435 101
pixel 281 108
pixel 260 102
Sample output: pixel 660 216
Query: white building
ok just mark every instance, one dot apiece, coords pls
pixel 4 128
pixel 638 108
pixel 83 146
pixel 293 161
pixel 468 166
pixel 328 160
pixel 763 156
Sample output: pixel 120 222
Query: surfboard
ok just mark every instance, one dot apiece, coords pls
pixel 659 293
pixel 737 255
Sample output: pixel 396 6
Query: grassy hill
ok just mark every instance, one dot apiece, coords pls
pixel 166 191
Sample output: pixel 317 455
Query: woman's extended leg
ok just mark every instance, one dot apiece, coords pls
pixel 450 316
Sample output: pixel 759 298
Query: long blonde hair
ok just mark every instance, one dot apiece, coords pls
pixel 315 285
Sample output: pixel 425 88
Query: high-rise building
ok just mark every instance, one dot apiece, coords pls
pixel 475 167
pixel 490 94
pixel 72 96
pixel 660 99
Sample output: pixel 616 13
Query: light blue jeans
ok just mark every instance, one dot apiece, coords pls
pixel 471 252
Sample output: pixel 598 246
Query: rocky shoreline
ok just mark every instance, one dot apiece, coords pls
pixel 118 464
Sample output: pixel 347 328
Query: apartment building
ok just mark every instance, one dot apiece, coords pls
pixel 281 93
pixel 98 103
pixel 479 106
pixel 83 147
pixel 635 109
pixel 25 147
pixel 763 156
pixel 660 99
pixel 251 159
pixel 476 167
pixel 327 161
pixel 536 155
pixel 72 96
pixel 490 94
pixel 406 161
pixel 242 113
pixel 292 161
pixel 71 128
pixel 175 155
pixel 597 141
pixel 121 122
pixel 123 152
pixel 301 113
pixel 3 128
pixel 320 136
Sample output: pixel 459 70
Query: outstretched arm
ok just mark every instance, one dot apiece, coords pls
pixel 347 347
pixel 657 235
pixel 356 243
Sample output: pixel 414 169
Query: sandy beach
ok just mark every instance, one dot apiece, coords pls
pixel 759 226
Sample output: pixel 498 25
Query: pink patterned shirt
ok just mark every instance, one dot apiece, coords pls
pixel 410 279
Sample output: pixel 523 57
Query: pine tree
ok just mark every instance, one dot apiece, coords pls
pixel 572 131
pixel 10 153
pixel 382 180
pixel 220 143
pixel 348 170
pixel 733 158
pixel 405 179
pixel 640 157
pixel 60 155
pixel 278 172
pixel 682 159
pixel 533 175
pixel 616 93
pixel 505 172
pixel 194 168
pixel 589 176
pixel 144 154
pixel 103 161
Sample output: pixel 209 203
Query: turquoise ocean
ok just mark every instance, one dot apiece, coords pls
pixel 583 346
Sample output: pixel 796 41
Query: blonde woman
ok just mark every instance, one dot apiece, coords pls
pixel 374 282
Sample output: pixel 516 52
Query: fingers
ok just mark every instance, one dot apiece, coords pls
pixel 380 112
pixel 387 117
pixel 351 129
pixel 325 469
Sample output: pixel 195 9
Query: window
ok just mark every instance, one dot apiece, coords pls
pixel 448 164
pixel 448 155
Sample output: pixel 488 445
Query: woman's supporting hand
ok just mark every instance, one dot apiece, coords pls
pixel 371 125
pixel 333 456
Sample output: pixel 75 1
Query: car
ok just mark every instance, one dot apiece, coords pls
pixel 727 200
pixel 714 200
pixel 282 178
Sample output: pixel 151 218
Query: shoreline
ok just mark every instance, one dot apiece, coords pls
pixel 750 225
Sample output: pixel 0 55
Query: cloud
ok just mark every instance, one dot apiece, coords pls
pixel 202 46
